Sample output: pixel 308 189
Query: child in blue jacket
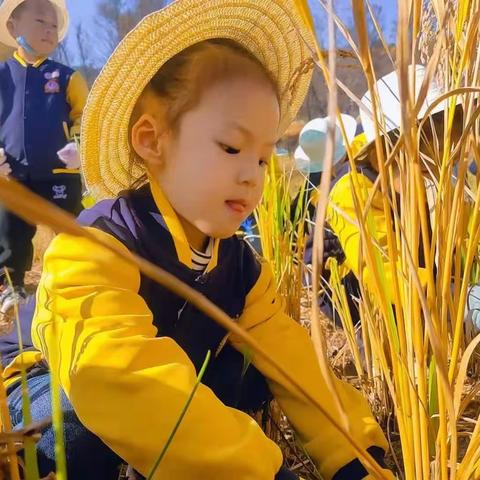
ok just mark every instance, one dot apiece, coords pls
pixel 41 104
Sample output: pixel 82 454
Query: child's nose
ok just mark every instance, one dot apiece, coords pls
pixel 249 173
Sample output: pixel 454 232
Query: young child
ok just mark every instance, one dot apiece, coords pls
pixel 41 104
pixel 179 129
pixel 344 226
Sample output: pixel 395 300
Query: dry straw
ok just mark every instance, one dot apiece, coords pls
pixel 418 355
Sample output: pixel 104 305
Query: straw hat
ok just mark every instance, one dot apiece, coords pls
pixel 388 89
pixel 310 154
pixel 8 6
pixel 270 29
pixel 5 52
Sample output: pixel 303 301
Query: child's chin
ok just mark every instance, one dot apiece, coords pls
pixel 218 229
pixel 224 232
pixel 46 51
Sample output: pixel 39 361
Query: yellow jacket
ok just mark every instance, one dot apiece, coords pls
pixel 128 382
pixel 342 219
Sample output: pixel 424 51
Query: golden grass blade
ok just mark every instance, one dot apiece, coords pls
pixel 30 451
pixel 462 373
pixel 6 436
pixel 380 34
pixel 318 336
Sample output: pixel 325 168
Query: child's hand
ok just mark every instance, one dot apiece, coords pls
pixel 5 169
pixel 473 306
pixel 69 156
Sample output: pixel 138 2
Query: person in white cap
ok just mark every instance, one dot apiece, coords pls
pixel 341 197
pixel 310 153
pixel 41 105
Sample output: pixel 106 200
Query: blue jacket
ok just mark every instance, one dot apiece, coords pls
pixel 36 115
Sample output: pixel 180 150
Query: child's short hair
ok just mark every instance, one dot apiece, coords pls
pixel 182 80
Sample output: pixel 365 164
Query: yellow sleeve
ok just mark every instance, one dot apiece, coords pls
pixel 77 93
pixel 345 227
pixel 290 345
pixel 129 386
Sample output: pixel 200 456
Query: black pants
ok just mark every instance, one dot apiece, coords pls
pixel 16 248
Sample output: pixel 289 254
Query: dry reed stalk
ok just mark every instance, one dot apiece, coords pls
pixel 419 353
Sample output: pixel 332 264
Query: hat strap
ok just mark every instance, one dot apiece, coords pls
pixel 24 44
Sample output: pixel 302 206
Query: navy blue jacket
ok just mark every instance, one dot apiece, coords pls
pixel 33 109
pixel 129 219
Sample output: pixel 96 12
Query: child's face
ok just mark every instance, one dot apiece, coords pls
pixel 213 168
pixel 38 24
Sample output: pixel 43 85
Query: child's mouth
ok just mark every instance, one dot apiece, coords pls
pixel 238 207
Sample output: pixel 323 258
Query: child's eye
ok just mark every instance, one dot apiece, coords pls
pixel 263 163
pixel 229 150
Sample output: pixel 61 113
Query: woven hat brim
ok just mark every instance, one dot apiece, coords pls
pixel 7 8
pixel 270 29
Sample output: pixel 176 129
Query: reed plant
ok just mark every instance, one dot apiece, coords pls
pixel 282 223
pixel 418 361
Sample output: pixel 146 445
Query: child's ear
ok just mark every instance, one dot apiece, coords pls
pixel 11 28
pixel 147 139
